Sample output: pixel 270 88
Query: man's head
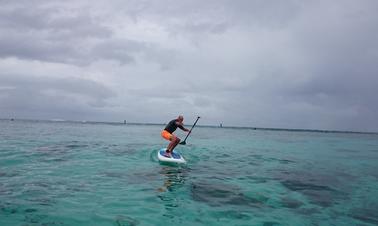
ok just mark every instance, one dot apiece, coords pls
pixel 180 118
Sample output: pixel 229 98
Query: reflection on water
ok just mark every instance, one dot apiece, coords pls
pixel 174 178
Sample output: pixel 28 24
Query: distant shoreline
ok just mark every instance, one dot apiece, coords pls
pixel 204 126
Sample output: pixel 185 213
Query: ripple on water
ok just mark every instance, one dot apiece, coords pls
pixel 34 218
pixel 9 174
pixel 58 152
pixel 258 179
pixel 30 215
pixel 43 201
pixel 271 223
pixel 257 159
pixel 122 220
pixel 8 208
pixel 76 145
pixel 121 150
pixel 234 214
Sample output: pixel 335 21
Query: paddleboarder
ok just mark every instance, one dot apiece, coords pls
pixel 167 134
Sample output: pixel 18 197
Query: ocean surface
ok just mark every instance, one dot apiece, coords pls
pixel 72 173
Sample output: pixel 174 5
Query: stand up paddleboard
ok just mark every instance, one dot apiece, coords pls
pixel 175 157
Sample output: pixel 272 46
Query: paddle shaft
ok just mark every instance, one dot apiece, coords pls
pixel 190 131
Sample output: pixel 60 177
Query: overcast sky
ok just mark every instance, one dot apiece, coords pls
pixel 308 64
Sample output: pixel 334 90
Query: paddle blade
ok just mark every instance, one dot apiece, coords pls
pixel 183 142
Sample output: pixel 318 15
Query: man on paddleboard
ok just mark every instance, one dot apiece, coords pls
pixel 167 133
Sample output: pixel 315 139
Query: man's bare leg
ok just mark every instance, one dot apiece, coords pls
pixel 176 142
pixel 170 146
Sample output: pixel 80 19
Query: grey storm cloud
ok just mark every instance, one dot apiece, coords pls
pixel 44 33
pixel 44 94
pixel 50 33
pixel 51 19
pixel 297 64
pixel 215 15
pixel 126 51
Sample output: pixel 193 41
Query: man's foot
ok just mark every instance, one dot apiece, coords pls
pixel 167 154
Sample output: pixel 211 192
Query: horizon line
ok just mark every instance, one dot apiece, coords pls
pixel 211 126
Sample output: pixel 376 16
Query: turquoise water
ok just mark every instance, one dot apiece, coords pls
pixel 55 173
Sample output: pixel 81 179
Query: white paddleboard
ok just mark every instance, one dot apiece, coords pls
pixel 175 157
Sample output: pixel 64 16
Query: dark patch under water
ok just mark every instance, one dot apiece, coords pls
pixel 300 186
pixel 259 159
pixel 318 194
pixel 367 215
pixel 258 179
pixel 321 189
pixel 271 223
pixel 234 214
pixel 121 150
pixel 291 203
pixel 114 174
pixel 222 194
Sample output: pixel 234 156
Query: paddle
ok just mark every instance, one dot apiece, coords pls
pixel 190 131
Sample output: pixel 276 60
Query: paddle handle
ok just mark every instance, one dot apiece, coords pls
pixel 190 131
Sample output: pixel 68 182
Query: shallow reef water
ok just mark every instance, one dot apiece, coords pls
pixel 72 173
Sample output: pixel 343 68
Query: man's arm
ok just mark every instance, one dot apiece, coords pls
pixel 181 126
